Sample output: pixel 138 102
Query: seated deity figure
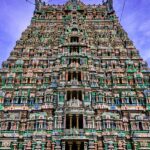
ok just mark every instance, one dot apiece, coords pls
pixel 74 103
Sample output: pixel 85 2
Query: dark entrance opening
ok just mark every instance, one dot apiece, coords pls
pixel 74 121
pixel 74 145
pixel 9 126
pixel 74 75
pixel 140 126
pixel 74 49
pixel 74 39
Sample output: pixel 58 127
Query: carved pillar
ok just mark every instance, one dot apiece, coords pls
pixel 57 146
pixel 93 122
pixel 15 146
pixel 43 145
pixel 84 122
pixel 124 145
pixel 95 145
pixel 81 76
pixel 91 145
pixel 82 96
pixel 120 145
pixel 134 145
pixel 77 121
pixel 71 75
pixel 78 145
pixel 100 145
pixel 85 145
pixel 53 146
pixel 58 96
pixel 63 145
pixel 70 145
pixel 33 146
pixel 90 97
pixel 71 95
pixel 70 116
pixel 55 121
pixel 64 121
pixel 105 146
pixel 61 77
pixel 48 145
pixel 77 94
pixel 24 146
pixel 66 76
pixel 66 97
pixel 21 146
pixel 114 146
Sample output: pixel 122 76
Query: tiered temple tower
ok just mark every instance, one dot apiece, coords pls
pixel 74 81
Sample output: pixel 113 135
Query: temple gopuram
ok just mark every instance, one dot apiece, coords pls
pixel 74 81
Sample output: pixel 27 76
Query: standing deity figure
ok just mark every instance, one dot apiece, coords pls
pixel 38 4
pixel 74 1
pixel 110 6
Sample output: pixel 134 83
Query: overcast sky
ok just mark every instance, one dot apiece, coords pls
pixel 15 16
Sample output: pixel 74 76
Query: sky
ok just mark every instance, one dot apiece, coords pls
pixel 15 16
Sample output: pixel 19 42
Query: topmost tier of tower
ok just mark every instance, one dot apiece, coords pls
pixel 108 3
pixel 74 1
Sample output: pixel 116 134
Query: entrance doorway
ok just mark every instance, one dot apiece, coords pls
pixel 74 145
